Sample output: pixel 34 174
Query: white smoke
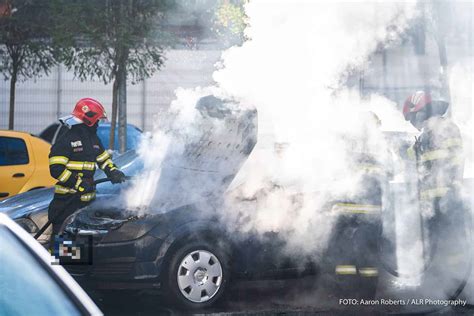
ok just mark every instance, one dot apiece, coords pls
pixel 172 131
pixel 462 104
pixel 294 69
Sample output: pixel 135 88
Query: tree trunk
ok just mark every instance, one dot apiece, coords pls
pixel 122 106
pixel 113 118
pixel 11 117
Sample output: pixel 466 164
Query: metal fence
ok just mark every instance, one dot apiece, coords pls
pixel 395 73
pixel 39 103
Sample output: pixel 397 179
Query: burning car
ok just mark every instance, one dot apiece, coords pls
pixel 178 244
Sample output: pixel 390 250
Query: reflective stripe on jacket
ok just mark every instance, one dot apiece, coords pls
pixel 440 162
pixel 74 158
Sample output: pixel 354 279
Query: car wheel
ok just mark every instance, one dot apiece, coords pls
pixel 196 275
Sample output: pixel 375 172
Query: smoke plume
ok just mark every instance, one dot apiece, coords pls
pixel 295 69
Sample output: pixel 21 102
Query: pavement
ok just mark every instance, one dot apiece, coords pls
pixel 307 296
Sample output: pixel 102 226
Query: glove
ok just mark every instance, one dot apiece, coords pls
pixel 116 176
pixel 86 186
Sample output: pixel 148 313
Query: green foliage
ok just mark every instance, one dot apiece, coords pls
pixel 25 48
pixel 230 21
pixel 97 37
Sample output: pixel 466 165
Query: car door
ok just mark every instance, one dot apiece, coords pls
pixel 264 256
pixel 16 165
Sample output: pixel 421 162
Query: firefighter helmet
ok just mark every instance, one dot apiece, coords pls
pixel 89 111
pixel 415 103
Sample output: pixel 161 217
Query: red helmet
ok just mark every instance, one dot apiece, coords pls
pixel 89 111
pixel 415 103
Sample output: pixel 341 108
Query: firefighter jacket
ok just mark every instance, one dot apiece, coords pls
pixel 73 160
pixel 439 158
pixel 366 197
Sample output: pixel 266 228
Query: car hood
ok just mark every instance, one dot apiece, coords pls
pixel 116 224
pixel 27 203
pixel 109 222
pixel 102 214
pixel 202 161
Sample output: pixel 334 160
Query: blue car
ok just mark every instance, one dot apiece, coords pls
pixel 55 130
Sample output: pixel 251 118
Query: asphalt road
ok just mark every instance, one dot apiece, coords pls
pixel 308 296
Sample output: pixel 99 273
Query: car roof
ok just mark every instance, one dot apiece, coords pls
pixel 8 133
pixel 43 255
pixel 37 141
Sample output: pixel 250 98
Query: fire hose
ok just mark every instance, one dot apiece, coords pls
pixel 68 203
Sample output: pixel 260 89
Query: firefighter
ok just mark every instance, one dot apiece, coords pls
pixel 438 152
pixel 73 160
pixel 355 243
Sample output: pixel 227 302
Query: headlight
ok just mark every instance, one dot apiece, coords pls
pixel 68 221
pixel 128 231
pixel 27 224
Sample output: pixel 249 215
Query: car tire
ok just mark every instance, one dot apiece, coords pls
pixel 196 275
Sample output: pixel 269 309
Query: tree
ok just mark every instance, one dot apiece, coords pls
pixel 230 21
pixel 114 41
pixel 25 50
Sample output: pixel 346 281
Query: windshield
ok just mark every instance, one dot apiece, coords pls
pixel 26 287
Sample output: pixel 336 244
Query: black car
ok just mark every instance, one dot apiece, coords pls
pixel 179 244
pixel 187 253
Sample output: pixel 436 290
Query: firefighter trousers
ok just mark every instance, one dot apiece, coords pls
pixel 60 208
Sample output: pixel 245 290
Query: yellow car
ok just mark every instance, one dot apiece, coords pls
pixel 24 163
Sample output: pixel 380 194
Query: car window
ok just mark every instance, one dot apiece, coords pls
pixel 26 287
pixel 13 151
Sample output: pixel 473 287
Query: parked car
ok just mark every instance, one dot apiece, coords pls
pixel 24 163
pixel 30 284
pixel 55 130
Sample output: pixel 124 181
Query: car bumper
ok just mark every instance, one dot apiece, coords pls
pixel 130 264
